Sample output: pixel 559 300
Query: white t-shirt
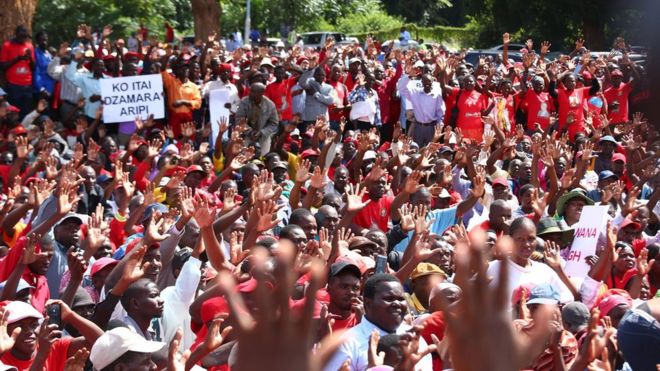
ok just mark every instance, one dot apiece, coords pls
pixel 534 274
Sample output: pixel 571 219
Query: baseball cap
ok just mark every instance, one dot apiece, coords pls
pixel 544 293
pixel 444 193
pixel 19 310
pixel 295 133
pixel 501 182
pixel 149 211
pixel 194 168
pixel 358 241
pixel 619 157
pixel 266 62
pixel 116 342
pixel 344 266
pixel 82 219
pixel 212 307
pixel 308 153
pixel 18 130
pixel 369 155
pixel 418 64
pixel 575 315
pixel 81 298
pixel 280 165
pixel 425 269
pixel 607 138
pixel 607 174
pixel 610 302
pixel 627 222
pixel 616 72
pixel 101 264
pixel 354 60
pixel 444 149
pixel 22 285
pixel 11 108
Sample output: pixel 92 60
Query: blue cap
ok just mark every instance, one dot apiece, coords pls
pixel 151 209
pixel 606 174
pixel 543 293
pixel 607 138
pixel 2 92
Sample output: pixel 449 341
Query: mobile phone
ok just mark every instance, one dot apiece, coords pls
pixel 381 264
pixel 54 312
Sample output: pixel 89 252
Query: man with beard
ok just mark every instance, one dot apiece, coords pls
pixel 385 307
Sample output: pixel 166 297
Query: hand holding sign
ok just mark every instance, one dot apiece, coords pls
pixel 124 98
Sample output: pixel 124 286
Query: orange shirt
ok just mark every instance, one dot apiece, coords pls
pixel 177 90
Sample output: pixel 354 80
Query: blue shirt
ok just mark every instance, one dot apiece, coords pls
pixel 442 219
pixel 41 77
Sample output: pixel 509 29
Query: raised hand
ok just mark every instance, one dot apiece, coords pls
pixel 77 361
pixel 215 337
pixel 7 341
pixel 643 264
pixel 407 221
pixel 354 196
pixel 204 212
pixel 506 38
pixel 153 232
pixel 551 255
pixel 302 175
pixel 95 236
pixel 266 216
pixel 317 179
pixel 67 197
pixel 545 47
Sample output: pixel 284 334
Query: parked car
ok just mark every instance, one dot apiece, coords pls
pixel 397 44
pixel 317 39
pixel 512 47
pixel 472 56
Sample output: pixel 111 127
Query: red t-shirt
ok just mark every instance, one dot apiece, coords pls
pixel 41 293
pixel 55 361
pixel 571 106
pixel 20 73
pixel 619 114
pixel 470 105
pixel 434 324
pixel 375 213
pixel 341 324
pixel 538 108
pixel 280 94
pixel 341 93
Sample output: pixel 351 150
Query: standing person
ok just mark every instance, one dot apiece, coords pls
pixel 617 94
pixel 537 104
pixel 42 81
pixel 337 111
pixel 279 91
pixel 365 106
pixel 183 96
pixel 223 82
pixel 88 82
pixel 169 33
pixel 17 63
pixel 317 99
pixel 386 87
pixel 468 107
pixel 261 115
pixel 70 94
pixel 570 100
pixel 427 105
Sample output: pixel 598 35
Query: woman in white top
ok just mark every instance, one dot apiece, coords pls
pixel 523 270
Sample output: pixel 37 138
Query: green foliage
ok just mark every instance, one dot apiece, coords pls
pixel 60 18
pixel 425 12
pixel 365 22
pixel 450 36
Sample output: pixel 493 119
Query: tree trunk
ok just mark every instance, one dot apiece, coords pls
pixel 594 34
pixel 14 13
pixel 206 16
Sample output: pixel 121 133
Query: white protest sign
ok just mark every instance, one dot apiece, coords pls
pixel 592 223
pixel 217 100
pixel 125 98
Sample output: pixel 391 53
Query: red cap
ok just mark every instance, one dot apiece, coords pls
pixel 213 307
pixel 301 59
pixel 586 75
pixel 131 245
pixel 193 168
pixel 225 67
pixel 101 264
pixel 19 130
pixel 500 181
pixel 13 109
pixel 616 72
pixel 618 157
pixel 309 152
pixel 629 223
pixel 108 57
pixel 131 55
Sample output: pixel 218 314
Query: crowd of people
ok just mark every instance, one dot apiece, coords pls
pixel 360 208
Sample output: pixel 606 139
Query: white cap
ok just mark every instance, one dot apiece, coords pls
pixel 81 217
pixel 295 132
pixel 19 310
pixel 369 155
pixel 266 62
pixel 22 285
pixel 418 64
pixel 116 342
pixel 354 60
pixel 279 44
pixel 444 193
